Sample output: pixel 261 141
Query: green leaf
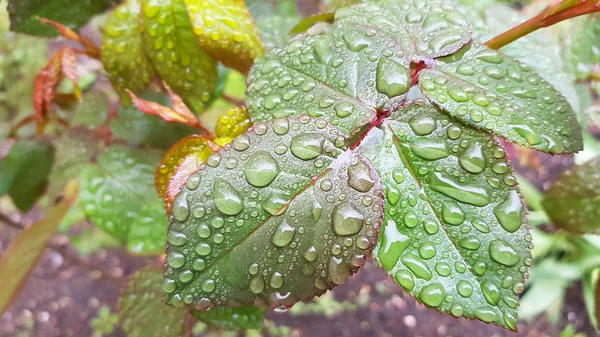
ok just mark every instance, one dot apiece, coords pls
pixel 24 251
pixel 582 49
pixel 73 151
pixel 273 224
pixel 24 172
pixel 225 30
pixel 454 233
pixel 117 194
pixel 573 201
pixel 274 20
pixel 356 66
pixel 123 54
pixel 142 311
pixel 490 91
pixel 71 13
pixel 172 48
pixel 136 127
pixel 590 289
pixel 248 317
pixel 93 110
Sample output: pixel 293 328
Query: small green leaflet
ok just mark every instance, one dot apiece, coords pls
pixel 117 194
pixel 454 233
pixel 143 313
pixel 492 92
pixel 360 64
pixel 273 224
pixel 228 318
pixel 573 201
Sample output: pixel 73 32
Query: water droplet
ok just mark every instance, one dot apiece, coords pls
pixel 257 285
pixel 339 270
pixel 473 195
pixel 417 266
pixel 283 234
pixel 347 220
pixel 310 254
pixel 392 79
pixel 405 279
pixel 443 269
pixel 261 169
pixel 470 242
pixel 480 225
pixel 465 288
pixel 276 280
pixel 430 149
pixel 226 198
pixel 307 146
pixel 199 264
pixel 355 41
pixel 533 138
pixel 427 250
pixel 276 203
pixel 491 293
pixel 344 109
pixel 509 212
pixel 208 285
pixel 503 253
pixel 472 159
pixel 175 259
pixel 359 177
pixel 393 244
pixel 410 219
pixel 423 125
pixel 432 295
pixel 204 231
pixel 177 238
pixel 452 214
pixel 181 209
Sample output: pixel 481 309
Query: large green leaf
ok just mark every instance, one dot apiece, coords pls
pixel 228 318
pixel 71 13
pixel 24 172
pixel 582 46
pixel 492 92
pixel 356 66
pixel 123 53
pixel 117 194
pixel 274 20
pixel 454 233
pixel 281 215
pixel 573 201
pixel 178 59
pixel 143 313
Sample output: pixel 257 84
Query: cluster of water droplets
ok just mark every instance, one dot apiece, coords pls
pixel 498 94
pixel 280 215
pixel 452 213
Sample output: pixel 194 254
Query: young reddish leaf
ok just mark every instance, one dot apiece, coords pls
pixel 179 113
pixel 172 48
pixel 143 313
pixel 91 49
pixel 233 123
pixel 61 65
pixel 273 224
pixel 24 252
pixel 225 29
pixel 175 166
pixel 573 201
pixel 123 54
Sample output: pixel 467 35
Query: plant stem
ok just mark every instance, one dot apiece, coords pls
pixel 565 9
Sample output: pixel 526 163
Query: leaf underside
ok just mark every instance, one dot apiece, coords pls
pixel 454 233
pixel 273 223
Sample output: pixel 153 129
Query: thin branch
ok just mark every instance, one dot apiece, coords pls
pixel 565 9
pixel 65 250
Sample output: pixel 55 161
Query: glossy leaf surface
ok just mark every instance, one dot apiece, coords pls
pixel 117 194
pixel 228 318
pixel 573 201
pixel 492 92
pixel 143 313
pixel 123 54
pixel 71 13
pixel 454 233
pixel 24 251
pixel 24 172
pixel 274 223
pixel 358 65
pixel 225 29
pixel 177 58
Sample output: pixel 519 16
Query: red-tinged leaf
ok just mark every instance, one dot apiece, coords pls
pixel 179 113
pixel 24 252
pixel 61 65
pixel 182 158
pixel 91 49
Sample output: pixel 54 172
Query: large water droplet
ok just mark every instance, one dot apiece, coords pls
pixel 307 146
pixel 339 270
pixel 276 203
pixel 452 213
pixel 347 220
pixel 472 159
pixel 470 242
pixel 359 177
pixel 491 293
pixel 257 284
pixel 311 254
pixel 430 149
pixel 423 125
pixel 276 280
pixel 509 212
pixel 181 208
pixel 405 279
pixel 465 288
pixel 417 266
pixel 175 259
pixel 283 234
pixel 355 41
pixel 261 169
pixel 227 199
pixel 392 79
pixel 432 295
pixel 393 244
pixel 503 253
pixel 473 195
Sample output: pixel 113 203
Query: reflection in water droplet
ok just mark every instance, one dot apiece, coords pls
pixel 359 177
pixel 391 78
pixel 347 220
pixel 283 234
pixel 261 169
pixel 226 198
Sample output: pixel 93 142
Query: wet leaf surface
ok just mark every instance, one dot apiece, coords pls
pixel 241 318
pixel 454 233
pixel 573 201
pixel 272 224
